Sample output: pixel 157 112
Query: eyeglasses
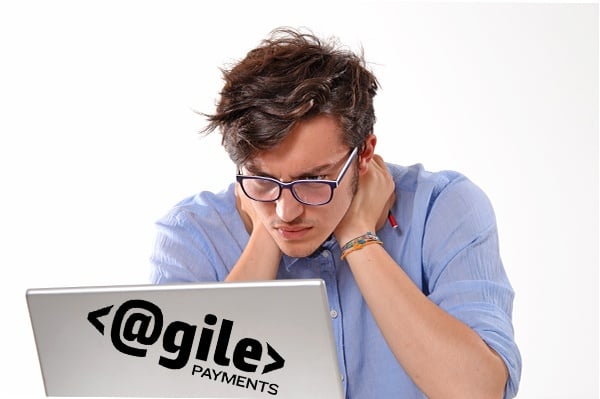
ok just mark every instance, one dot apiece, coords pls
pixel 306 191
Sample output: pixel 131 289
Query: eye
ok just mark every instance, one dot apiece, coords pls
pixel 320 177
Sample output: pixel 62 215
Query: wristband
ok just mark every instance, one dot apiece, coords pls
pixel 359 243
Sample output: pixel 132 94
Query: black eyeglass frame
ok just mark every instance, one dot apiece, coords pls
pixel 333 184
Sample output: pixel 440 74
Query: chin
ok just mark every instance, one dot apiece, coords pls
pixel 298 251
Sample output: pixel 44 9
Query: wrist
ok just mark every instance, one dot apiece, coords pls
pixel 345 236
pixel 359 243
pixel 260 258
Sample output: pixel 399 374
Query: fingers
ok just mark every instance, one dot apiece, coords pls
pixel 382 189
pixel 378 159
pixel 244 208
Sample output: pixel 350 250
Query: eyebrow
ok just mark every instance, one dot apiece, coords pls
pixel 317 170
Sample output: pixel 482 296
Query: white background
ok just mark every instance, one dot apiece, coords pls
pixel 98 138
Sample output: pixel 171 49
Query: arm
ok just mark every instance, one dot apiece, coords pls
pixel 261 256
pixel 443 356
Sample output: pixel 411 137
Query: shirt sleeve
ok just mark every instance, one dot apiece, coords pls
pixel 464 272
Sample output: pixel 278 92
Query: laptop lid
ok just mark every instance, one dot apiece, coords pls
pixel 213 340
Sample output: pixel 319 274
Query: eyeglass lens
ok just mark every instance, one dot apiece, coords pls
pixel 305 191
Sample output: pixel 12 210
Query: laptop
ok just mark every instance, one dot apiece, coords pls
pixel 206 340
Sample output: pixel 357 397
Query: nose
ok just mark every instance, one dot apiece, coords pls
pixel 287 207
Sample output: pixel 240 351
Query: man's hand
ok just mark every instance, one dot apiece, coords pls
pixel 260 259
pixel 371 203
pixel 245 208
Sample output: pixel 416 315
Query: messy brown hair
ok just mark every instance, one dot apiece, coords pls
pixel 290 77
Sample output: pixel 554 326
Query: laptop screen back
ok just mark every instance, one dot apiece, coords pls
pixel 213 340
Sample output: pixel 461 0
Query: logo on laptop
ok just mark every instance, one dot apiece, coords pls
pixel 139 324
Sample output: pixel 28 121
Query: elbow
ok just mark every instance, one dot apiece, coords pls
pixel 487 382
pixel 494 378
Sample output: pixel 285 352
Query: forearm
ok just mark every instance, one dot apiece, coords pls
pixel 443 356
pixel 259 260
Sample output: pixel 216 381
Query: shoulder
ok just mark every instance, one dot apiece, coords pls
pixel 432 186
pixel 198 239
pixel 441 203
pixel 205 206
pixel 450 211
pixel 207 219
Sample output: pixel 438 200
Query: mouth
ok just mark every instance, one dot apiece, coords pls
pixel 292 232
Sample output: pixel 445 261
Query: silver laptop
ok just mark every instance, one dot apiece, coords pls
pixel 210 340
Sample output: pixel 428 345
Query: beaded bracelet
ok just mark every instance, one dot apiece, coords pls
pixel 360 242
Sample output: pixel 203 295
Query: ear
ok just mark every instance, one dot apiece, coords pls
pixel 366 154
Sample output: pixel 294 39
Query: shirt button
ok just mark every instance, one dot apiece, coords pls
pixel 325 254
pixel 333 313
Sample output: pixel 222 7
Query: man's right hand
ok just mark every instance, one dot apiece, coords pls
pixel 260 259
pixel 245 208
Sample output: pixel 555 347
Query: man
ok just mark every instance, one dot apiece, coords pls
pixel 421 304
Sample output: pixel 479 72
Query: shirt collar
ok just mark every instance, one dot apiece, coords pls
pixel 328 244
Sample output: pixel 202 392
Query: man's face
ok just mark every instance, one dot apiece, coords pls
pixel 313 149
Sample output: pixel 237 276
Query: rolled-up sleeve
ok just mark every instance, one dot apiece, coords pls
pixel 464 272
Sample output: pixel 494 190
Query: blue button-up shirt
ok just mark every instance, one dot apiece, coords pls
pixel 446 241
